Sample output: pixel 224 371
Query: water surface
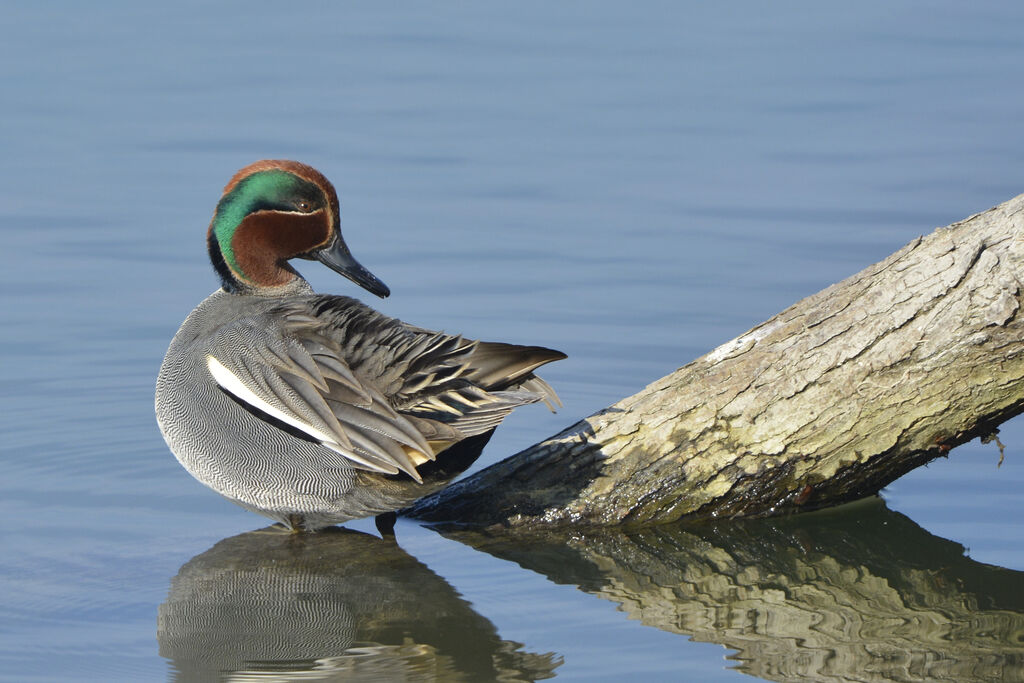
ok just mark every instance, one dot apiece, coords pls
pixel 631 185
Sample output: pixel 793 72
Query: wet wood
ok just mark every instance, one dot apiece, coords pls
pixel 826 402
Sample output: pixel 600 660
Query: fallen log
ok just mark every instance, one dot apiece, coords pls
pixel 826 402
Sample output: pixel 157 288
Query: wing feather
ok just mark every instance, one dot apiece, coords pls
pixel 384 395
pixel 316 393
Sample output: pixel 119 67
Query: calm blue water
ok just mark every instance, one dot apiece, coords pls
pixel 633 185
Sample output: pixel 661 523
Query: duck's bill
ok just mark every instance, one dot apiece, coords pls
pixel 338 258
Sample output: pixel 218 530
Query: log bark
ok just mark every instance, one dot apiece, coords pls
pixel 826 402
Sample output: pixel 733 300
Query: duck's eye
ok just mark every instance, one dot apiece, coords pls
pixel 303 205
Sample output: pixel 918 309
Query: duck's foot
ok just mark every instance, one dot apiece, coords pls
pixel 294 522
pixel 386 523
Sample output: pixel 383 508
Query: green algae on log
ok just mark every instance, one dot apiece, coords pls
pixel 826 402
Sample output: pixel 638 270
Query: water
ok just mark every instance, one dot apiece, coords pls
pixel 633 186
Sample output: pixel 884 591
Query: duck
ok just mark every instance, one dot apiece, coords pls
pixel 315 409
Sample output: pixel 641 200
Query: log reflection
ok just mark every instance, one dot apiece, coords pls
pixel 316 607
pixel 858 594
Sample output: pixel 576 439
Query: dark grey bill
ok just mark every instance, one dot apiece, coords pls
pixel 338 258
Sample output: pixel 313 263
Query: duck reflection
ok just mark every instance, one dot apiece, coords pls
pixel 339 604
pixel 860 593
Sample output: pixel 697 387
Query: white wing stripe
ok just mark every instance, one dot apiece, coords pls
pixel 234 386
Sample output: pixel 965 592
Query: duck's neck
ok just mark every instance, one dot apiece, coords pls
pixel 271 277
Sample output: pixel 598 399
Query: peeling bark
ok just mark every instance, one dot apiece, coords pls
pixel 826 402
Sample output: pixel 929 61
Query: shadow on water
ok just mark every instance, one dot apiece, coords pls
pixel 328 605
pixel 856 593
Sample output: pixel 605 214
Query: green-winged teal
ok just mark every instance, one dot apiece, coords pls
pixel 314 409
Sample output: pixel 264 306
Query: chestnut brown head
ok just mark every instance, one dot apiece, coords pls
pixel 273 211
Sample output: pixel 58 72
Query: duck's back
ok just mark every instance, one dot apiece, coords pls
pixel 320 408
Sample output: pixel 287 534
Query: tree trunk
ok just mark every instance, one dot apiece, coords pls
pixel 826 402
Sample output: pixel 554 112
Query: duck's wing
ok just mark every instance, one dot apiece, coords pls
pixel 296 380
pixel 499 366
pixel 451 387
pixel 383 394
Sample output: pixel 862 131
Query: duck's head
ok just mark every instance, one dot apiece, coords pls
pixel 273 211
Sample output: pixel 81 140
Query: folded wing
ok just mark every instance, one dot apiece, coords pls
pixel 384 395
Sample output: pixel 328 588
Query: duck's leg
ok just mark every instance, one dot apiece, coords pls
pixel 386 523
pixel 294 523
